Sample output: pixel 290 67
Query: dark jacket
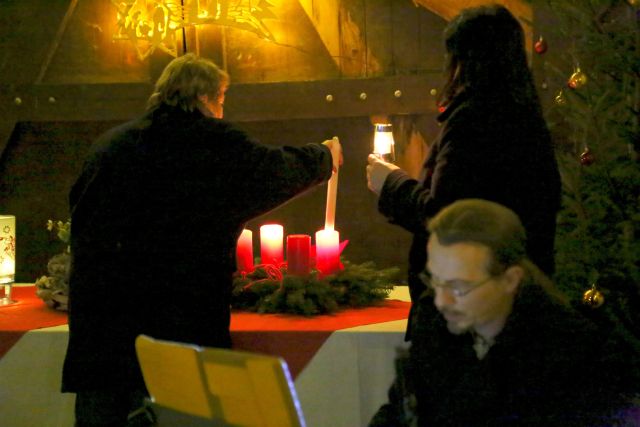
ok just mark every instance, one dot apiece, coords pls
pixel 156 214
pixel 549 367
pixel 489 148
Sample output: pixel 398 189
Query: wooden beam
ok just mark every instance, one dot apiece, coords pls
pixel 348 98
pixel 244 102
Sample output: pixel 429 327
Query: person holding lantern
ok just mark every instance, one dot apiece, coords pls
pixel 155 217
pixel 494 143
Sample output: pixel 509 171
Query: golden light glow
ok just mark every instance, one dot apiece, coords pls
pixel 152 24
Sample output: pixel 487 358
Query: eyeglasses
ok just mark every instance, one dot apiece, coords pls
pixel 459 288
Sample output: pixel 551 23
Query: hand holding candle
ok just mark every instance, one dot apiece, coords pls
pixel 336 152
pixel 377 173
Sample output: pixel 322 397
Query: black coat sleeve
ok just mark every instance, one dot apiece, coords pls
pixel 276 174
pixel 450 175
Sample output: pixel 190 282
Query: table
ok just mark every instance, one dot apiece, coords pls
pixel 342 364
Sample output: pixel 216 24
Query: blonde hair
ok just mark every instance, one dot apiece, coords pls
pixel 185 79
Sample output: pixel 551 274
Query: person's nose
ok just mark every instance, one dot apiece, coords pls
pixel 444 298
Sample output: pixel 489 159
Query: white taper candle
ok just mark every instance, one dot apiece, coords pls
pixel 332 193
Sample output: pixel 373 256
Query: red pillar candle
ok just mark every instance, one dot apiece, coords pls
pixel 271 236
pixel 327 251
pixel 298 249
pixel 244 251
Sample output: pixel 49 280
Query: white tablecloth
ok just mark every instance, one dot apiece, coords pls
pixel 342 386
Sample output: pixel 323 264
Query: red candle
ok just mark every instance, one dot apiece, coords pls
pixel 327 251
pixel 271 236
pixel 244 251
pixel 298 248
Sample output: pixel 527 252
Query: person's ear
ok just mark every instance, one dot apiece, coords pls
pixel 513 277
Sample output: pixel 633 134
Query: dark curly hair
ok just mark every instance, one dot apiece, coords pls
pixel 485 50
pixel 185 79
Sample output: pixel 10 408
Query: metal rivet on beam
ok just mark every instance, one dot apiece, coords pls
pixel 52 100
pixel 17 100
pixel 329 98
pixel 397 93
pixel 363 96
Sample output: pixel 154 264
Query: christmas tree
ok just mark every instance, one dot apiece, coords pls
pixel 588 59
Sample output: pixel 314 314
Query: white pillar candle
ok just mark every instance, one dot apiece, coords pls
pixel 271 238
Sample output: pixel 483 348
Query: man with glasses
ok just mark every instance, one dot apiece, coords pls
pixel 496 344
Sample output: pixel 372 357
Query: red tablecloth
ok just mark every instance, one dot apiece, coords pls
pixel 294 338
pixel 28 313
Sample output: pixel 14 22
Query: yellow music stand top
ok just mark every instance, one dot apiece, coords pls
pixel 233 387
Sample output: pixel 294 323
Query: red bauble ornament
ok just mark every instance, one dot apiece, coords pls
pixel 587 158
pixel 541 46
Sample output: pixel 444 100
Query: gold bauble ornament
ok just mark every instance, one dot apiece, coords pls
pixel 577 79
pixel 593 297
pixel 634 3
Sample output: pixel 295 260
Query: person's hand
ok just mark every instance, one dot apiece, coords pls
pixel 377 172
pixel 336 152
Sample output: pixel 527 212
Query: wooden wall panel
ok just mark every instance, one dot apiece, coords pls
pixel 354 54
pixel 416 39
pixel 26 30
pixel 521 9
pixel 88 54
pixel 380 37
pixel 379 34
pixel 41 162
pixel 324 17
pixel 299 53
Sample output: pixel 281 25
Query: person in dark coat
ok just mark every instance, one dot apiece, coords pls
pixel 495 344
pixel 156 213
pixel 494 143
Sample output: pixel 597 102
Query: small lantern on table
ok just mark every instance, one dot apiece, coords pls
pixel 7 257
